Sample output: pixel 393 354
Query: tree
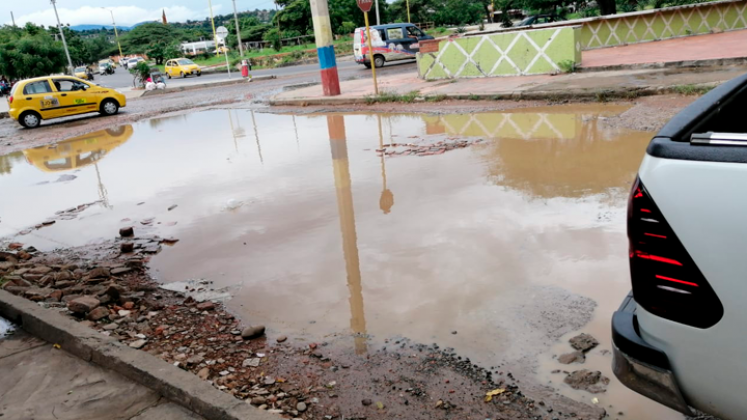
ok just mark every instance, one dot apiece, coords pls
pixel 31 56
pixel 151 37
pixel 607 7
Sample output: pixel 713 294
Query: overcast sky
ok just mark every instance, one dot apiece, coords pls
pixel 126 12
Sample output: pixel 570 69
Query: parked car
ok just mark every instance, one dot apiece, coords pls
pixel 393 42
pixel 679 337
pixel 43 98
pixel 181 67
pixel 539 20
pixel 82 73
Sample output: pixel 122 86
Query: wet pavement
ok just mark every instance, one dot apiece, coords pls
pixel 502 249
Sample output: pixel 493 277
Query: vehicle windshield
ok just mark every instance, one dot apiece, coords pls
pixel 185 61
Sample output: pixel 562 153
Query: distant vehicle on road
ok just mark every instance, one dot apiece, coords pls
pixel 132 62
pixel 181 67
pixel 393 42
pixel 539 20
pixel 83 72
pixel 106 67
pixel 679 337
pixel 43 98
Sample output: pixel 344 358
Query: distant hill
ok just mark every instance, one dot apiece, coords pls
pixel 80 28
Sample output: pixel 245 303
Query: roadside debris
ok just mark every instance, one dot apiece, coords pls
pixel 583 342
pixel 587 380
pixel 426 147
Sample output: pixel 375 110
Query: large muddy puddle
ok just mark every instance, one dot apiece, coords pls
pixel 502 249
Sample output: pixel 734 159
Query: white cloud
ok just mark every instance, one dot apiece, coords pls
pixel 124 15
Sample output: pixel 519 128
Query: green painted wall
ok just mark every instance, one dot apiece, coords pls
pixel 504 54
pixel 673 22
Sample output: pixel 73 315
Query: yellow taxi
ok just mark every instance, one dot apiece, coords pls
pixel 44 98
pixel 181 67
pixel 80 72
pixel 79 151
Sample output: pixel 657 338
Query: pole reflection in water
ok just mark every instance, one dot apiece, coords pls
pixel 387 198
pixel 256 136
pixel 338 144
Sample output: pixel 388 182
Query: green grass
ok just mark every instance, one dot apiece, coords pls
pixel 386 97
pixel 567 66
pixel 689 90
pixel 3 280
pixel 473 97
pixel 435 98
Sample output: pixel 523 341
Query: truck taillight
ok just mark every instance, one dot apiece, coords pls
pixel 666 281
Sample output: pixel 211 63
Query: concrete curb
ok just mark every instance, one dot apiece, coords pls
pixel 715 62
pixel 205 85
pixel 553 95
pixel 176 385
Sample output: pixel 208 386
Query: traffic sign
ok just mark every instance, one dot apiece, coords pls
pixel 222 32
pixel 365 5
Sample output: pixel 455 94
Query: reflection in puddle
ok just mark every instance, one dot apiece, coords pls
pixel 506 242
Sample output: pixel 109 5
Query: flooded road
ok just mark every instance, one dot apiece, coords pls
pixel 503 249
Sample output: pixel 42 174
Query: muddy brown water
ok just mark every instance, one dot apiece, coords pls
pixel 502 250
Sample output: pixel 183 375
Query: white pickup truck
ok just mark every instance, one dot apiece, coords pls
pixel 680 338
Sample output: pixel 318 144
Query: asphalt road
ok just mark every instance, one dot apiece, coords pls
pixel 346 69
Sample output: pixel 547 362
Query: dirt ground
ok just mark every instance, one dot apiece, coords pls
pixel 647 113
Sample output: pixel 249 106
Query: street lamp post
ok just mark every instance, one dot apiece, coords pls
pixel 62 35
pixel 238 30
pixel 116 34
pixel 212 22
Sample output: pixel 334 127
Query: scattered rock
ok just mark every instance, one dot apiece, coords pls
pixel 251 362
pixel 98 313
pixel 172 207
pixel 259 401
pixel 127 247
pixel 40 269
pixel 366 402
pixel 282 339
pixel 138 344
pixel 591 381
pixel 301 407
pixel 253 332
pixel 15 245
pixel 121 270
pixel 83 304
pixel 127 232
pixel 204 373
pixel 573 357
pixel 97 273
pixel 583 342
pixel 206 306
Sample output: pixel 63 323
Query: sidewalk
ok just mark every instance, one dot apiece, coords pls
pixel 725 45
pixel 44 383
pixel 603 84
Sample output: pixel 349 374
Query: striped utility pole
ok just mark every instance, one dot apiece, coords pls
pixel 324 48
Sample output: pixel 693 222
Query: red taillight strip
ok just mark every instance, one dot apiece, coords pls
pixel 655 235
pixel 639 254
pixel 646 210
pixel 677 281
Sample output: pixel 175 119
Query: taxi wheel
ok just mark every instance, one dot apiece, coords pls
pixel 30 119
pixel 109 107
pixel 181 73
pixel 199 73
pixel 168 75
